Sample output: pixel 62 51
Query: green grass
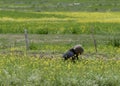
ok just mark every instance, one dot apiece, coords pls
pixel 51 34
pixel 22 70
pixel 59 22
pixel 53 45
pixel 63 5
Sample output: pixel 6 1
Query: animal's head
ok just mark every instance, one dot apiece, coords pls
pixel 78 49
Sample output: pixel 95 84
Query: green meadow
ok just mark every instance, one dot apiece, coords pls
pixel 31 71
pixel 51 34
pixel 59 22
pixel 54 27
pixel 60 6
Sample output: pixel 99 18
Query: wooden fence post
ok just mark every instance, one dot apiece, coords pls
pixel 94 40
pixel 26 39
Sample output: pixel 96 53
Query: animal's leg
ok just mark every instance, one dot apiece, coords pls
pixel 77 56
pixel 73 57
pixel 66 58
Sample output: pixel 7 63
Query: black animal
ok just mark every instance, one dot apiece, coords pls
pixel 69 53
pixel 78 50
pixel 73 52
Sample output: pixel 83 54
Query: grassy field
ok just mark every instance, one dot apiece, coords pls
pixel 59 22
pixel 51 34
pixel 43 65
pixel 31 71
pixel 63 5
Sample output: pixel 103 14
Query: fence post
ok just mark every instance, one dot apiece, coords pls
pixel 94 40
pixel 26 39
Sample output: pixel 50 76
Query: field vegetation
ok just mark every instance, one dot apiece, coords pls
pixel 54 27
pixel 30 71
pixel 59 22
pixel 63 5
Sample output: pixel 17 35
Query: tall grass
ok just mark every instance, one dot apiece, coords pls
pixel 68 27
pixel 31 71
